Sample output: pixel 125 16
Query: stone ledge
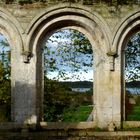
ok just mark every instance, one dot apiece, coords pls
pixel 63 131
pixel 63 125
pixel 55 135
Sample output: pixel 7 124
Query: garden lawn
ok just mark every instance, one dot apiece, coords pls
pixel 135 114
pixel 77 114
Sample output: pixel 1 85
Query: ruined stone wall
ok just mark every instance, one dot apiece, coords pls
pixel 71 135
pixel 112 15
pixel 107 28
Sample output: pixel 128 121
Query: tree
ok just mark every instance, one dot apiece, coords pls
pixel 132 59
pixel 4 86
pixel 5 83
pixel 74 52
pixel 60 101
pixel 132 71
pixel 4 70
pixel 57 98
pixel 68 52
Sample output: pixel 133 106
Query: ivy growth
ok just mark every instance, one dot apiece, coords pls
pixel 85 2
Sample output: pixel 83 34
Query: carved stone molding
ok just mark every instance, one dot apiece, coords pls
pixel 112 56
pixel 27 56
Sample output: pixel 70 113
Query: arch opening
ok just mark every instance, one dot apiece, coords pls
pixel 132 77
pixel 68 77
pixel 82 20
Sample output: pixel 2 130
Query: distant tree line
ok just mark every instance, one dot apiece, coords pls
pixel 78 84
pixel 133 84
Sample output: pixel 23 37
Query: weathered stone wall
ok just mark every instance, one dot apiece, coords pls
pixel 106 27
pixel 112 16
pixel 65 131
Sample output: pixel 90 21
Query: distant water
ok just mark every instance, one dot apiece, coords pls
pixel 133 90
pixel 80 89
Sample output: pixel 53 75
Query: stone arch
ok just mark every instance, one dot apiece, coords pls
pixel 67 16
pixel 12 30
pixel 127 28
pixel 72 14
pixel 10 27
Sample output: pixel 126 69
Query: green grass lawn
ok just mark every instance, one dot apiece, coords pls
pixel 77 114
pixel 135 114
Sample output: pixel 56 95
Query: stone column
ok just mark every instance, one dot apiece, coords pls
pixel 23 89
pixel 107 101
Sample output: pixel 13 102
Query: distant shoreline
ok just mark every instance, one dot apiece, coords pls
pixel 133 84
pixel 78 84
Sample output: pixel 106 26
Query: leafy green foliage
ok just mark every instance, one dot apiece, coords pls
pixel 132 58
pixel 55 99
pixel 5 94
pixel 132 76
pixel 70 52
pixel 66 53
pixel 86 2
pixel 59 100
pixel 120 2
pixel 5 84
